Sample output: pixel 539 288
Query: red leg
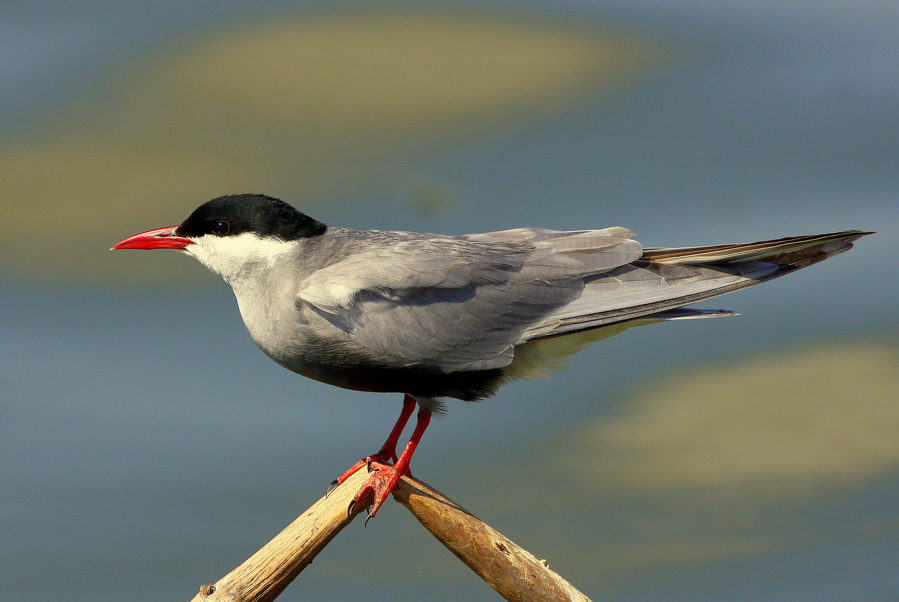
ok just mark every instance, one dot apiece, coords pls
pixel 384 477
pixel 387 452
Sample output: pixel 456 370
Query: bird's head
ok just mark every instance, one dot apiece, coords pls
pixel 231 233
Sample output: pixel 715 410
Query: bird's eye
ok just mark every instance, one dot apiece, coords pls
pixel 221 228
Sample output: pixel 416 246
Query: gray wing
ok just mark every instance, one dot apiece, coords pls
pixel 464 303
pixel 456 303
pixel 664 279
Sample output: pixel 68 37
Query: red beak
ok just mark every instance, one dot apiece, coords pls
pixel 161 238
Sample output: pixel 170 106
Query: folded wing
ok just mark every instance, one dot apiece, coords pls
pixel 456 303
pixel 667 278
pixel 464 303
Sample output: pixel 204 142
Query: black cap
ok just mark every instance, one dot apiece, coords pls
pixel 263 215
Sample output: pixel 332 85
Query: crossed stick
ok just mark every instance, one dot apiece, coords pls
pixel 509 569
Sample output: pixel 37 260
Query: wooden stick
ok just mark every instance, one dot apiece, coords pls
pixel 508 568
pixel 263 576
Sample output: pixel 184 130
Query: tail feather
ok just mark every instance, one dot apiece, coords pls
pixel 665 279
pixel 782 251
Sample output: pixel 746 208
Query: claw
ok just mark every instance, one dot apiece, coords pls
pixel 379 484
pixel 383 475
pixel 331 487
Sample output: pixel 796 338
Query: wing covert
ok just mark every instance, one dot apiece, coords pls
pixel 457 303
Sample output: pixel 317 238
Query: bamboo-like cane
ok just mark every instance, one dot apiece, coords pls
pixel 509 569
pixel 265 574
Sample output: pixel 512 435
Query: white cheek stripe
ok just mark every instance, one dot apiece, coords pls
pixel 227 256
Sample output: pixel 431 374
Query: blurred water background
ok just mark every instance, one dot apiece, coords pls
pixel 149 447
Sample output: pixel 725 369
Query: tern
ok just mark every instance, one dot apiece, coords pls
pixel 433 316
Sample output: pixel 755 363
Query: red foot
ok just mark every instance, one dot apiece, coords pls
pixel 383 477
pixel 379 484
pixel 378 459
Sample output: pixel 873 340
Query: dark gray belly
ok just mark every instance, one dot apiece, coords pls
pixel 354 369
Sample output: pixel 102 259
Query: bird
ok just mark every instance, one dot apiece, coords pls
pixel 434 316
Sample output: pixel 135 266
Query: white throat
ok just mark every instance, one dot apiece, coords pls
pixel 239 257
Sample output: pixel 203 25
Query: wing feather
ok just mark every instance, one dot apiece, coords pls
pixel 456 303
pixel 463 303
